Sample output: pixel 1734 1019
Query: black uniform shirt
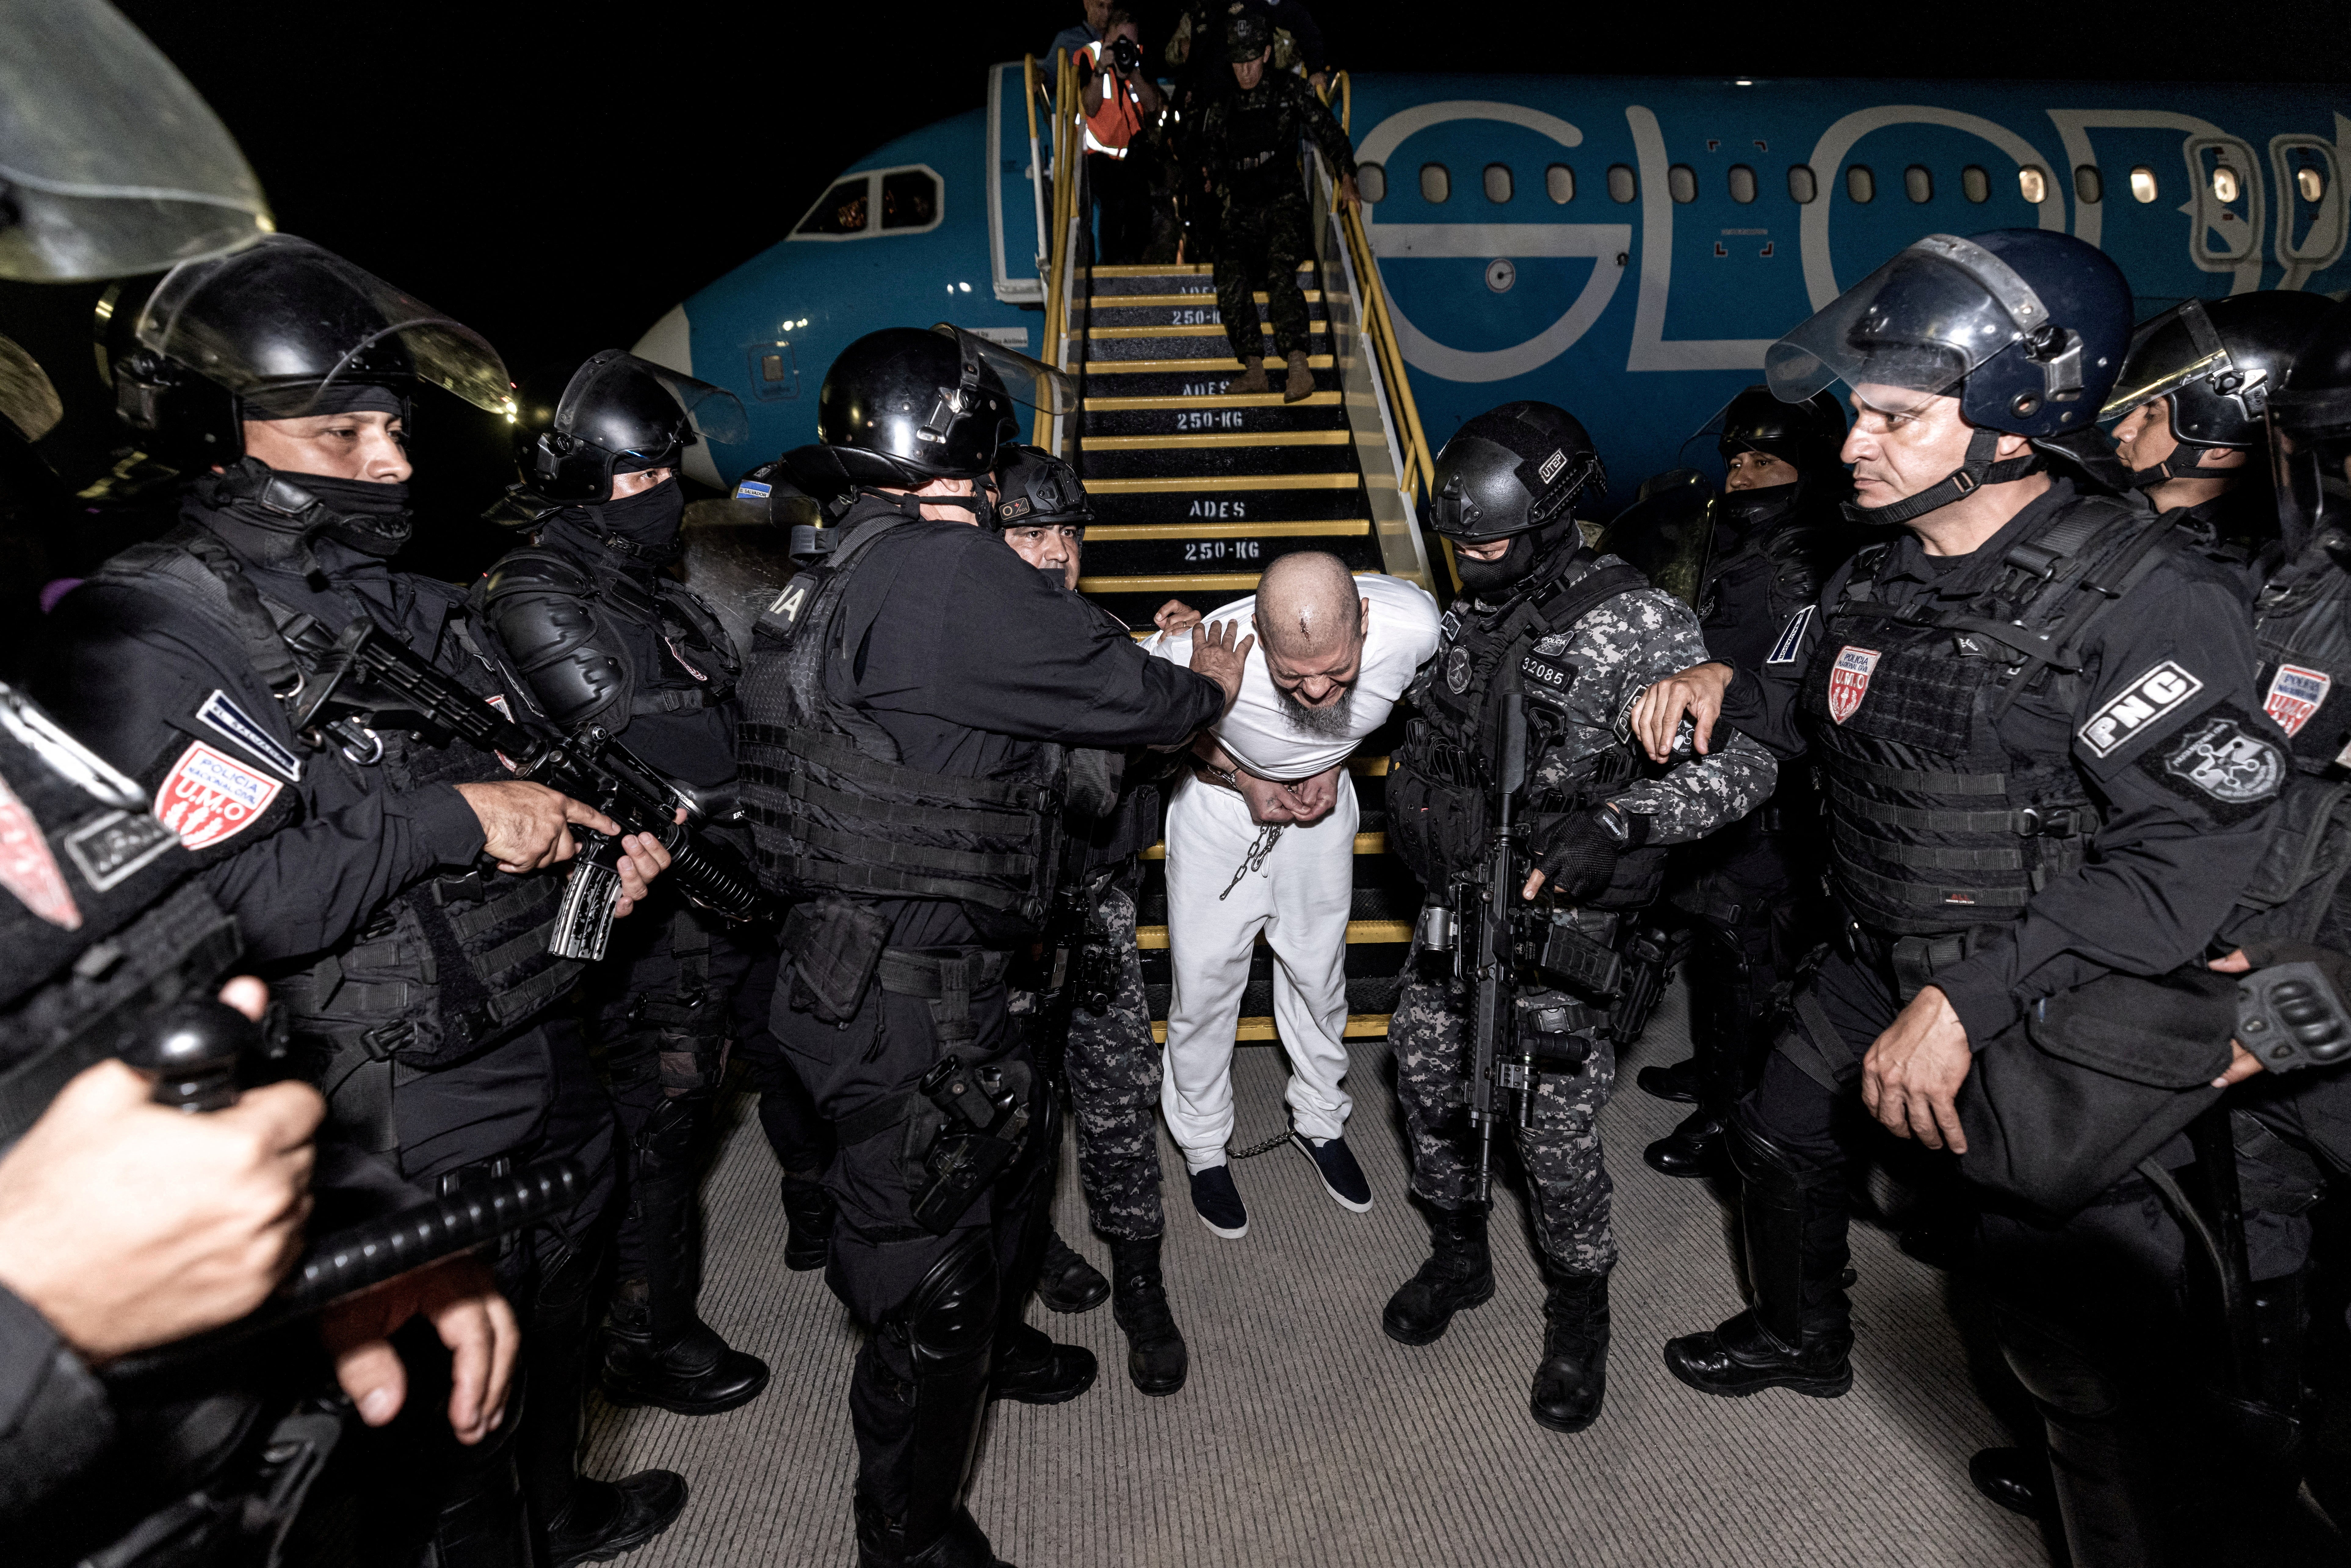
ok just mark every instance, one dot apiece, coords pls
pixel 169 697
pixel 2167 860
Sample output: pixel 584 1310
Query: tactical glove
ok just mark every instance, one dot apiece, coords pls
pixel 1577 855
pixel 2290 1005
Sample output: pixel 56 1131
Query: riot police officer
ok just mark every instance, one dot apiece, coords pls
pixel 1581 634
pixel 2034 714
pixel 1099 1020
pixel 2188 408
pixel 1752 889
pixel 904 709
pixel 396 893
pixel 591 630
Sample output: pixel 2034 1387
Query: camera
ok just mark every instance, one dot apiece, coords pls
pixel 1124 56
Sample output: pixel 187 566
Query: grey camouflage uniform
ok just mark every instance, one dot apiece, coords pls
pixel 1114 1070
pixel 1615 653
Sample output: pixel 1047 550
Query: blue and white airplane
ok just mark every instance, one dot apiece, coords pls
pixel 1624 247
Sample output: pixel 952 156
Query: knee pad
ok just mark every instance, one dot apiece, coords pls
pixel 950 1318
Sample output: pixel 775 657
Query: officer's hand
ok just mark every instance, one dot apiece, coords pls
pixel 1349 197
pixel 1311 800
pixel 1574 856
pixel 1268 801
pixel 462 1304
pixel 643 858
pixel 527 826
pixel 1218 655
pixel 2242 1063
pixel 1175 618
pixel 128 1224
pixel 1657 716
pixel 1910 1079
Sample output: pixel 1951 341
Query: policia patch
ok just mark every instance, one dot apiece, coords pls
pixel 2220 761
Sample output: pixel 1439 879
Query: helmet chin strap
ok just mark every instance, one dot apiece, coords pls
pixel 2163 473
pixel 1978 470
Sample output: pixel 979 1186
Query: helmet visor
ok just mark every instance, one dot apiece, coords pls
pixel 1921 322
pixel 112 164
pixel 228 320
pixel 716 413
pixel 1032 383
pixel 2154 368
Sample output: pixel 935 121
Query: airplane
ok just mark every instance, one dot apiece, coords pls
pixel 1624 247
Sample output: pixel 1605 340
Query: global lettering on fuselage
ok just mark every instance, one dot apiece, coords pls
pixel 1626 248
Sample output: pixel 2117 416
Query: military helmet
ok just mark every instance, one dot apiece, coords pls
pixel 1511 469
pixel 2218 361
pixel 622 414
pixel 1247 37
pixel 1034 487
pixel 2310 433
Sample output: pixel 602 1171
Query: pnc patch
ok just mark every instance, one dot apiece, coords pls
pixel 2294 696
pixel 1849 681
pixel 1791 639
pixel 26 867
pixel 2219 758
pixel 209 796
pixel 2138 705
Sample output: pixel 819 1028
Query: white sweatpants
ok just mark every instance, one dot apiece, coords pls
pixel 1299 899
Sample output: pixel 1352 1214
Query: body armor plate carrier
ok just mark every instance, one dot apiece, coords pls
pixel 560 623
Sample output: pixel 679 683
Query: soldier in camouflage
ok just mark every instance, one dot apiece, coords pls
pixel 1583 635
pixel 1248 141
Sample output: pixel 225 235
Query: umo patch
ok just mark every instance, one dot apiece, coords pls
pixel 1849 681
pixel 1792 638
pixel 2140 704
pixel 226 718
pixel 2219 758
pixel 209 796
pixel 26 867
pixel 2294 695
pixel 110 847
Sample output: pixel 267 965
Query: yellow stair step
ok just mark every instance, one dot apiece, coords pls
pixel 1181 367
pixel 1211 330
pixel 1198 443
pixel 1169 584
pixel 1365 844
pixel 1213 400
pixel 1341 481
pixel 1359 932
pixel 1163 269
pixel 1360 1026
pixel 1121 301
pixel 1343 529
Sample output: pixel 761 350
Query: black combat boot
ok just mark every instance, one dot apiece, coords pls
pixel 1067 1282
pixel 1574 1378
pixel 881 1541
pixel 1799 1333
pixel 1692 1149
pixel 1676 1081
pixel 1031 1369
pixel 601 1519
pixel 1459 1275
pixel 810 1209
pixel 1157 1359
pixel 661 1352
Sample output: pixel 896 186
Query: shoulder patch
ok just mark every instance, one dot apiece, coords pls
pixel 115 845
pixel 1849 681
pixel 209 796
pixel 789 603
pixel 2147 698
pixel 2221 759
pixel 752 490
pixel 223 717
pixel 26 867
pixel 2294 696
pixel 1791 637
pixel 1448 626
pixel 1543 673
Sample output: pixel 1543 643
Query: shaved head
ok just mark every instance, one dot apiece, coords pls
pixel 1311 624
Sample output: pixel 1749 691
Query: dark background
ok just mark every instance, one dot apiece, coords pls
pixel 558 176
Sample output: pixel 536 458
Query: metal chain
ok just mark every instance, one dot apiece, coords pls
pixel 1268 835
pixel 1256 1149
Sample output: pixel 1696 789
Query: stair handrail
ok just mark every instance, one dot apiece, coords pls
pixel 1068 197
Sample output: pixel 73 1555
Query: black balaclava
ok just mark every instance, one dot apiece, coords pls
pixel 276 526
pixel 1486 579
pixel 1742 512
pixel 643 527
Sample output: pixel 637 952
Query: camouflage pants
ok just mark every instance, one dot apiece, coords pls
pixel 1565 1174
pixel 1114 1070
pixel 1261 247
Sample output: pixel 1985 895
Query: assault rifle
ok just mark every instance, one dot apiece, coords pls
pixel 367 671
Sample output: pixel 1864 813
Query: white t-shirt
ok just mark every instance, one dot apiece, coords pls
pixel 1259 734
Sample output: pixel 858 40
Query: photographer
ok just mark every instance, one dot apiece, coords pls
pixel 1121 103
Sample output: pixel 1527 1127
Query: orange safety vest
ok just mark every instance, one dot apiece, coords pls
pixel 1111 128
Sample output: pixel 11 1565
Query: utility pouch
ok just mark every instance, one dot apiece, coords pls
pixel 1575 961
pixel 969 1125
pixel 834 945
pixel 1557 1034
pixel 1097 977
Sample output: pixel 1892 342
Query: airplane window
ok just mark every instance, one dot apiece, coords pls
pixel 2033 184
pixel 1802 189
pixel 1917 183
pixel 910 200
pixel 1621 185
pixel 1681 181
pixel 1975 184
pixel 843 211
pixel 2224 182
pixel 1436 183
pixel 1860 183
pixel 1742 182
pixel 1559 183
pixel 1372 182
pixel 1498 181
pixel 2311 184
pixel 2088 184
pixel 2142 184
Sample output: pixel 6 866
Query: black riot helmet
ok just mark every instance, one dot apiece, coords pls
pixel 1511 469
pixel 2218 362
pixel 2027 328
pixel 622 414
pixel 1807 435
pixel 1034 487
pixel 903 407
pixel 281 329
pixel 2310 434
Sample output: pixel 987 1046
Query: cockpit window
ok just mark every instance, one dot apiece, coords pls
pixel 879 203
pixel 840 211
pixel 910 199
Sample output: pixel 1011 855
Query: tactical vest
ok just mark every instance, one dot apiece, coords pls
pixel 1259 147
pixel 1440 793
pixel 559 622
pixel 447 968
pixel 832 804
pixel 1938 824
